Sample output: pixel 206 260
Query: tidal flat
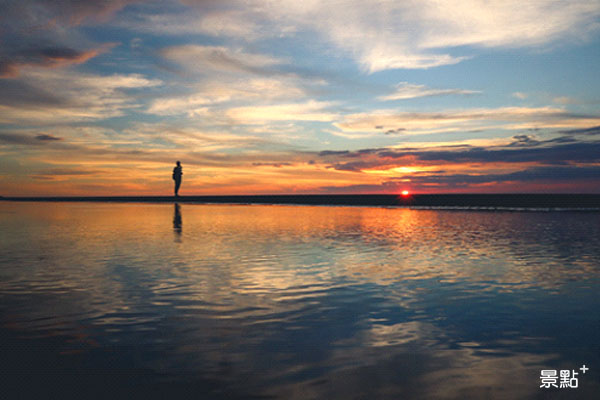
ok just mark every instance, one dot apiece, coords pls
pixel 296 302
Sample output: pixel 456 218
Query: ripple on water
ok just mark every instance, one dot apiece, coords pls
pixel 319 301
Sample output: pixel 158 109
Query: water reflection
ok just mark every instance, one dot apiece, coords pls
pixel 302 302
pixel 177 221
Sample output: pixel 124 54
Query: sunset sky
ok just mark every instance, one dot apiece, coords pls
pixel 289 96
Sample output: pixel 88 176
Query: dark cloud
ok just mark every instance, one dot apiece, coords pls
pixel 53 56
pixel 357 166
pixel 52 53
pixel 44 136
pixel 546 175
pixel 347 153
pixel 276 165
pixel 562 139
pixel 557 151
pixel 576 152
pixel 11 138
pixel 40 139
pixel 366 151
pixel 530 141
pixel 327 153
pixel 394 131
pixel 588 131
pixel 536 174
pixel 524 140
pixel 567 173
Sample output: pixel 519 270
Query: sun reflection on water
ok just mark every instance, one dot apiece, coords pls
pixel 291 297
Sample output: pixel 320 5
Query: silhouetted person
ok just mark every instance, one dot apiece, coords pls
pixel 177 220
pixel 177 177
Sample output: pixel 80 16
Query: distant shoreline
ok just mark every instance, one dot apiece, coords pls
pixel 477 201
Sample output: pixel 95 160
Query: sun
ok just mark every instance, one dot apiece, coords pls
pixel 405 193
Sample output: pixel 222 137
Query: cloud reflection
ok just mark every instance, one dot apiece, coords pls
pixel 308 300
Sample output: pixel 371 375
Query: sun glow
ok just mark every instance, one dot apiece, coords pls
pixel 405 193
pixel 395 170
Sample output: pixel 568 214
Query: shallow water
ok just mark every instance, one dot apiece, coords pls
pixel 296 302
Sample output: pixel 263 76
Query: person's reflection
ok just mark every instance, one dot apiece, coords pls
pixel 177 221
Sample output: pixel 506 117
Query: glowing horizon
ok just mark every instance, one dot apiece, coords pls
pixel 275 97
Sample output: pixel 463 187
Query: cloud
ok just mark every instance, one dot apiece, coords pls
pixel 378 36
pixel 382 58
pixel 46 57
pixel 234 23
pixel 71 12
pixel 586 131
pixel 570 152
pixel 191 105
pixel 308 111
pixel 393 34
pixel 326 153
pixel 519 95
pixel 384 187
pixel 197 59
pixel 239 20
pixel 564 100
pixel 18 92
pixel 253 89
pixel 384 34
pixel 541 178
pixel 12 138
pixel 229 85
pixel 510 118
pixel 66 172
pixel 43 33
pixel 72 96
pixel 395 131
pixel 567 173
pixel 151 165
pixel 405 90
pixel 185 138
pixel 510 24
pixel 536 174
pixel 524 140
pixel 143 144
pixel 522 150
pixel 44 136
pixel 29 140
pixel 275 165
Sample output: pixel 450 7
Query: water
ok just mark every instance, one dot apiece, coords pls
pixel 296 302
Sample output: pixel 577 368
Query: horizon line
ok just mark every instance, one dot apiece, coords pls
pixel 587 201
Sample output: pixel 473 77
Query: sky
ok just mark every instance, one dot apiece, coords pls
pixel 287 96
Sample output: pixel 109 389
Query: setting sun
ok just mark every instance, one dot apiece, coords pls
pixel 281 198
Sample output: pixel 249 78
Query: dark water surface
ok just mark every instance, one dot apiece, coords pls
pixel 295 302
